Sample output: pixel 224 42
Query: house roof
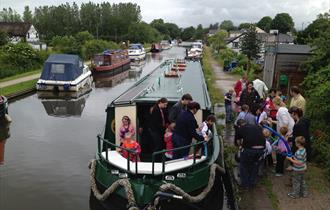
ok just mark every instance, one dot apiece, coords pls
pixel 231 39
pixel 15 28
pixel 293 49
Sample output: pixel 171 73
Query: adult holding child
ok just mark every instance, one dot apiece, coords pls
pixel 179 106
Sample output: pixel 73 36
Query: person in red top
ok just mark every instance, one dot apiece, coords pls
pixel 240 85
pixel 169 141
pixel 131 144
pixel 270 106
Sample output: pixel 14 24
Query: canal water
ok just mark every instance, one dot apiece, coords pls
pixel 52 140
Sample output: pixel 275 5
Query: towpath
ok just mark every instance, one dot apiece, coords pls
pixel 19 80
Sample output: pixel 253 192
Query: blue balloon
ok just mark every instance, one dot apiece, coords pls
pixel 288 153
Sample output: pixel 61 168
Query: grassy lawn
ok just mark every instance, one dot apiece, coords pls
pixel 18 87
pixel 215 94
pixel 20 75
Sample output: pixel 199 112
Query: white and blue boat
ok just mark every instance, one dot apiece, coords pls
pixel 63 72
pixel 136 52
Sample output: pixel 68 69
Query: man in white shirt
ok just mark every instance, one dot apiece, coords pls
pixel 260 87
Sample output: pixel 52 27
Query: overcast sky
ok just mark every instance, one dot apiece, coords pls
pixel 192 12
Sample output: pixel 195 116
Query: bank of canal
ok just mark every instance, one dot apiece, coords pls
pixel 46 157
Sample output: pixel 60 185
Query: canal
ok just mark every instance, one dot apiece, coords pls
pixel 52 141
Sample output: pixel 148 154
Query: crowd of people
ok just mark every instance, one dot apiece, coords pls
pixel 268 132
pixel 168 130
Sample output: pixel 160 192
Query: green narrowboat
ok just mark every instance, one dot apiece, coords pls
pixel 187 183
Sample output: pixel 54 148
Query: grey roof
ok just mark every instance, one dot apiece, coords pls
pixel 293 49
pixel 15 28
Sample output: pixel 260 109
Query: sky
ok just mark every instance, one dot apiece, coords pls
pixel 186 13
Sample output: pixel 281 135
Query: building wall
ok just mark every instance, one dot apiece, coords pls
pixel 32 35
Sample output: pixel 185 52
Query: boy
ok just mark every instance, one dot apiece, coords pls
pixel 131 144
pixel 299 168
pixel 228 105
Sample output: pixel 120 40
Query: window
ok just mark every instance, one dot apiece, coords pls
pixel 28 35
pixel 235 45
pixel 57 68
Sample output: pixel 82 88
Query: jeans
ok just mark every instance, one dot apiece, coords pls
pixel 299 184
pixel 249 164
pixel 229 114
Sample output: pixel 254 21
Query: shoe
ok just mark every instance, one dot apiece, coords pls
pixel 292 195
pixel 304 195
pixel 278 174
pixel 289 168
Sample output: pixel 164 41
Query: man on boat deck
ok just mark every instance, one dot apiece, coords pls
pixel 179 106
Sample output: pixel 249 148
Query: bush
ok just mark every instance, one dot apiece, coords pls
pixel 95 46
pixel 66 44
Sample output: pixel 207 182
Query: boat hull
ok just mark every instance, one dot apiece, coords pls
pixel 51 85
pixel 112 70
pixel 145 188
pixel 137 57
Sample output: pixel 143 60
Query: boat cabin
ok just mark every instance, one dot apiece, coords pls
pixel 109 60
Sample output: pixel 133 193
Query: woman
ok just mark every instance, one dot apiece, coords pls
pixel 283 117
pixel 185 130
pixel 126 127
pixel 157 124
pixel 300 128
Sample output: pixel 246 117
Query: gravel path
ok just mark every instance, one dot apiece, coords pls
pixel 19 80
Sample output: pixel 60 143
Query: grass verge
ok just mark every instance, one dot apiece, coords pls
pixel 20 75
pixel 215 94
pixel 267 183
pixel 9 90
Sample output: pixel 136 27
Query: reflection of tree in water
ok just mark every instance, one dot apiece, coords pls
pixel 4 135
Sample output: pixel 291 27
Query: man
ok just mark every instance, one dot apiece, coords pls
pixel 250 96
pixel 297 99
pixel 260 87
pixel 252 148
pixel 179 106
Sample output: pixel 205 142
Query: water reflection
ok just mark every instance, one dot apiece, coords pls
pixel 4 135
pixel 64 104
pixel 157 56
pixel 101 80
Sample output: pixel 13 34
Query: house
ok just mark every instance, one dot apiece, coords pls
pixel 212 32
pixel 282 67
pixel 18 31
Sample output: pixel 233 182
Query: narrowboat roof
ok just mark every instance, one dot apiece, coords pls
pixel 155 85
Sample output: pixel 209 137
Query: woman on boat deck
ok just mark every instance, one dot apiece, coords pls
pixel 131 144
pixel 126 127
pixel 157 124
pixel 185 130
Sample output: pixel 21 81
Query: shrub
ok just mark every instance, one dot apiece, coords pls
pixel 95 46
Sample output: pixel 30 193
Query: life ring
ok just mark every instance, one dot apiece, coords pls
pixel 113 126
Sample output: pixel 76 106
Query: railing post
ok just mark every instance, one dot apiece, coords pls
pixel 98 144
pixel 136 164
pixel 153 164
pixel 194 160
pixel 163 163
pixel 128 158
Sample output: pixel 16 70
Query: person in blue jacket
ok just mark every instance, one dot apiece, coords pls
pixel 185 130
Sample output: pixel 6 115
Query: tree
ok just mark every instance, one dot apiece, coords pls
pixel 244 26
pixel 3 38
pixel 227 25
pixel 199 33
pixel 142 32
pixel 250 45
pixel 188 33
pixel 83 37
pixel 217 41
pixel 173 29
pixel 66 44
pixel 9 15
pixel 265 23
pixel 27 15
pixel 283 23
pixel 95 46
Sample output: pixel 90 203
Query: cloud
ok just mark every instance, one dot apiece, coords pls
pixel 193 12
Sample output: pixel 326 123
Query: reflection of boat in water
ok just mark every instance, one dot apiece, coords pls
pixel 102 81
pixel 151 183
pixel 157 56
pixel 64 105
pixel 4 135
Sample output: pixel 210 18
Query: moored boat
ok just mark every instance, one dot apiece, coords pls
pixel 136 52
pixel 63 72
pixel 111 62
pixel 156 47
pixel 151 183
pixel 3 107
pixel 165 44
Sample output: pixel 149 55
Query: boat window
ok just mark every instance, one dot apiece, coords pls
pixel 57 68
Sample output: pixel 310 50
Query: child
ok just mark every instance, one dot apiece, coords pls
pixel 268 136
pixel 206 126
pixel 126 127
pixel 228 105
pixel 169 141
pixel 299 168
pixel 131 144
pixel 280 149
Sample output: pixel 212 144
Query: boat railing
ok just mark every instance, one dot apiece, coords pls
pixel 161 153
pixel 163 157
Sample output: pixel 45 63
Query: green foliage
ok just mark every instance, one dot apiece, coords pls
pixel 27 15
pixel 18 58
pixel 9 15
pixel 144 33
pixel 283 22
pixel 199 33
pixel 217 41
pixel 3 38
pixel 66 45
pixel 244 26
pixel 250 45
pixel 23 86
pixel 265 23
pixel 227 25
pixel 188 33
pixel 83 36
pixel 95 46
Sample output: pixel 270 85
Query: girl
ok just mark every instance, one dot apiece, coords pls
pixel 126 127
